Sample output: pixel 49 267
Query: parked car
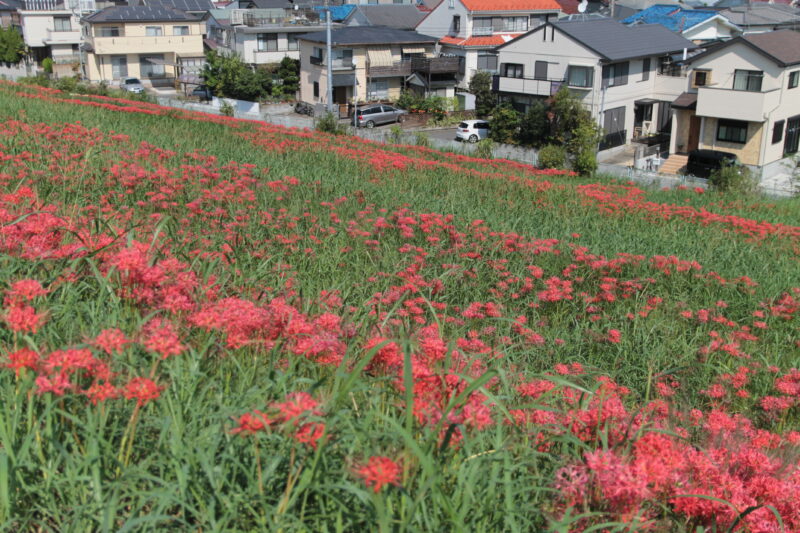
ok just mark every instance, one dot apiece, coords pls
pixel 131 85
pixel 472 130
pixel 375 115
pixel 702 163
pixel 203 92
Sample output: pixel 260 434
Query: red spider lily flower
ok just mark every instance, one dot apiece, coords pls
pixel 23 319
pixel 24 290
pixel 379 471
pixel 111 341
pixel 58 384
pixel 143 390
pixel 296 405
pixel 100 392
pixel 161 338
pixel 251 423
pixel 614 336
pixel 24 358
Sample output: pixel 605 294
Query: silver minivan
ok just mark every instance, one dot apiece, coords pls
pixel 377 114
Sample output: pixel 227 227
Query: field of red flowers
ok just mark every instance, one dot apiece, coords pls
pixel 211 324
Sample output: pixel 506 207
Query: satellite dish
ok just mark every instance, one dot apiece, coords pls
pixel 582 6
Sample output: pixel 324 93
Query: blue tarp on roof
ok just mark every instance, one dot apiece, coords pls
pixel 672 17
pixel 338 13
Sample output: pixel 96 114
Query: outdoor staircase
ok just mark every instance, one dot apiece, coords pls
pixel 673 164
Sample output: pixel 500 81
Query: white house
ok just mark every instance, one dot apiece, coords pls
pixel 473 28
pixel 626 76
pixel 743 97
pixel 52 28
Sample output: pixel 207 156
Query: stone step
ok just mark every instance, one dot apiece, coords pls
pixel 673 164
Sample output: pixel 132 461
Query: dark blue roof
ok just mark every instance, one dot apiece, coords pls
pixel 672 17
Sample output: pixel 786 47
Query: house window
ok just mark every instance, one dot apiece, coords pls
pixel 378 90
pixel 487 61
pixel 579 76
pixel 540 70
pixel 62 24
pixel 732 131
pixel 317 56
pixel 794 79
pixel 700 78
pixel 316 89
pixel 455 27
pixel 154 31
pixel 267 42
pixel 747 80
pixel 152 66
pixel 482 26
pixel 615 74
pixel 292 41
pixel 342 58
pixel 512 70
pixel 451 4
pixel 645 69
pixel 777 131
pixel 515 24
pixel 180 30
pixel 109 31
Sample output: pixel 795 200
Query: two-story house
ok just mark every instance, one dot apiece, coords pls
pixel 153 43
pixel 383 61
pixel 473 28
pixel 743 97
pixel 51 28
pixel 626 76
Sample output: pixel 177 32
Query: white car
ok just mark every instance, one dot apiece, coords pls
pixel 131 85
pixel 472 130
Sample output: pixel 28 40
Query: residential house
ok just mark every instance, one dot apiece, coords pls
pixel 264 36
pixel 153 43
pixel 743 97
pixel 473 28
pixel 625 75
pixel 762 17
pixel 400 16
pixel 383 61
pixel 384 2
pixel 698 25
pixel 51 28
pixel 9 13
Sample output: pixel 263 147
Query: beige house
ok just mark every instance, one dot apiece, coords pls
pixel 383 61
pixel 744 97
pixel 152 43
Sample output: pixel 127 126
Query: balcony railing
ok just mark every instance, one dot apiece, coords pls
pixel 736 105
pixel 315 60
pixel 63 37
pixel 426 65
pixel 479 32
pixel 532 86
pixel 69 59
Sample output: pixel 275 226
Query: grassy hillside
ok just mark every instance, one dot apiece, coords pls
pixel 220 325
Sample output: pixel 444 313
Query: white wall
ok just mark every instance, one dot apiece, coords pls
pixel 438 21
pixel 247 48
pixel 36 23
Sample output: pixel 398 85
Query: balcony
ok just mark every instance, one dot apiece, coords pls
pixel 425 65
pixel 749 106
pixel 183 45
pixel 669 87
pixel 62 37
pixel 69 59
pixel 530 86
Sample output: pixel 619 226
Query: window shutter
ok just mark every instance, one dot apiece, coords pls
pixel 606 75
pixel 646 69
pixel 621 77
pixel 540 70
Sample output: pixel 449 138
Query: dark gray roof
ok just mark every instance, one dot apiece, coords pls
pixel 10 5
pixel 781 46
pixel 355 35
pixel 144 13
pixel 401 16
pixel 615 41
pixel 184 5
pixel 761 15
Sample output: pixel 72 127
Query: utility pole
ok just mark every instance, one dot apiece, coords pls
pixel 329 56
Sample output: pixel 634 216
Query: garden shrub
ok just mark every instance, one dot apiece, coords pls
pixel 552 156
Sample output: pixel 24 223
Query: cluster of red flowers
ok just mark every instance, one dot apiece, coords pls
pixel 462 295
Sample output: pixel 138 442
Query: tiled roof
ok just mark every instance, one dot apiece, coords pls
pixel 489 40
pixel 569 7
pixel 511 5
pixel 403 16
pixel 615 41
pixel 761 14
pixel 672 17
pixel 783 45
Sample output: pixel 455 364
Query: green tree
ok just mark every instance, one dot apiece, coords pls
pixel 481 86
pixel 505 124
pixel 229 76
pixel 289 72
pixel 574 128
pixel 534 128
pixel 12 46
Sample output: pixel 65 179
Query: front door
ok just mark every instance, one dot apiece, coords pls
pixel 119 67
pixel 792 142
pixel 694 133
pixel 340 95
